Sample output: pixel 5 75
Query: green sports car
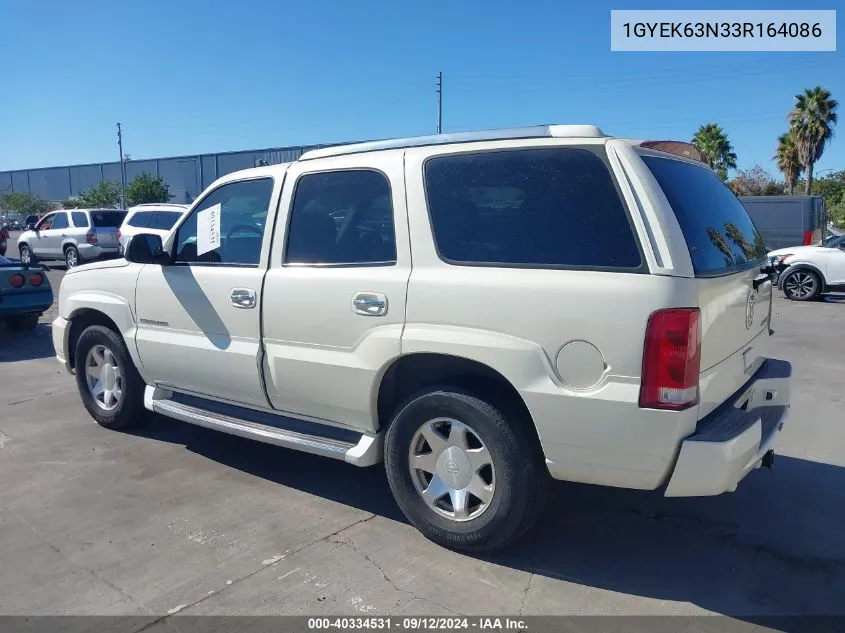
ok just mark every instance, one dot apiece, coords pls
pixel 25 293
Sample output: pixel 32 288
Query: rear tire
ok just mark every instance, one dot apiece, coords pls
pixel 108 382
pixel 489 475
pixel 23 322
pixel 72 257
pixel 802 285
pixel 25 254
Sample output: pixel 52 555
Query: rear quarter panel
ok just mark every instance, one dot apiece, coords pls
pixel 518 321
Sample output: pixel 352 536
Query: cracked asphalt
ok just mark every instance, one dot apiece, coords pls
pixel 173 519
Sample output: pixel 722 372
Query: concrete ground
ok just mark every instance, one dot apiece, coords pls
pixel 174 518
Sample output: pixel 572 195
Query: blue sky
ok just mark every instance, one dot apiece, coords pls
pixel 187 76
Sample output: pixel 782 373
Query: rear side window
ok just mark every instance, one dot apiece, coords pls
pixel 720 234
pixel 164 220
pixel 342 218
pixel 141 219
pixel 544 208
pixel 80 220
pixel 108 219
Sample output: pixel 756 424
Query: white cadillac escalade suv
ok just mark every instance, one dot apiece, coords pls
pixel 481 311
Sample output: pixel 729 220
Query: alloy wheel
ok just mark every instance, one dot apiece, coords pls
pixel 800 285
pixel 451 469
pixel 103 377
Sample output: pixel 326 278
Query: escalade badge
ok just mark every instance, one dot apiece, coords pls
pixel 749 308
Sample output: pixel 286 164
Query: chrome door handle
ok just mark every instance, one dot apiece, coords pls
pixel 243 298
pixel 369 304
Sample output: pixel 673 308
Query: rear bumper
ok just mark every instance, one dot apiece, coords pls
pixel 732 441
pixel 33 302
pixel 94 251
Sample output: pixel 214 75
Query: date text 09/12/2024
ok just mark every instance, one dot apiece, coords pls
pixel 417 623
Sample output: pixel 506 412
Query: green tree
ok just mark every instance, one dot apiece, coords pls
pixel 25 203
pixel 146 188
pixel 788 161
pixel 755 182
pixel 836 210
pixel 103 195
pixel 811 124
pixel 72 203
pixel 715 148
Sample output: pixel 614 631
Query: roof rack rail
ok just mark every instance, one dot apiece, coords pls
pixel 535 131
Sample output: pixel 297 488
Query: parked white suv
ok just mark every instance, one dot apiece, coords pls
pixel 480 310
pixel 156 218
pixel 805 272
pixel 74 235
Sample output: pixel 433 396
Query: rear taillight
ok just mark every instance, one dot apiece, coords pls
pixel 91 238
pixel 808 238
pixel 16 280
pixel 671 359
pixel 36 279
pixel 117 235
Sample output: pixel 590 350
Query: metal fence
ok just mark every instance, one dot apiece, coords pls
pixel 187 176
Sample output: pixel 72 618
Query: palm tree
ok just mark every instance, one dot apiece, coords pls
pixel 788 160
pixel 715 148
pixel 811 123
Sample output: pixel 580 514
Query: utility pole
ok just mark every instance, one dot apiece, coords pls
pixel 122 166
pixel 440 103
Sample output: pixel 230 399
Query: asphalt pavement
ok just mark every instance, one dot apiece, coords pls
pixel 173 518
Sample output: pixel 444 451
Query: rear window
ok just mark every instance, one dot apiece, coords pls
pixel 720 234
pixel 543 208
pixel 164 220
pixel 108 218
pixel 141 219
pixel 80 220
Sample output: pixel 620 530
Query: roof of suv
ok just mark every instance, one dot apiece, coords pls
pixel 164 206
pixel 535 131
pixel 679 149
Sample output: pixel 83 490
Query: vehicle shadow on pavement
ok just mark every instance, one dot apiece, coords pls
pixel 774 547
pixel 26 345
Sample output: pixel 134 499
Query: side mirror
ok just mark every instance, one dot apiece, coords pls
pixel 146 248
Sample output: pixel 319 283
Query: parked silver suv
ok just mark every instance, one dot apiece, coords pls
pixel 75 235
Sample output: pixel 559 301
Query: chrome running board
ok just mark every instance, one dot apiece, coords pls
pixel 359 449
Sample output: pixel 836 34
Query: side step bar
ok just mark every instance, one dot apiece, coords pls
pixel 359 449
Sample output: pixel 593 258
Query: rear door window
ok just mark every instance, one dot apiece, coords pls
pixel 544 208
pixel 720 234
pixel 80 220
pixel 108 219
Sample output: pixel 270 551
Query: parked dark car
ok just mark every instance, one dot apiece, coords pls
pixel 25 294
pixel 4 239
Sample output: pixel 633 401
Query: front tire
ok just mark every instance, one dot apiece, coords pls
pixel 72 257
pixel 802 285
pixel 465 476
pixel 109 384
pixel 26 255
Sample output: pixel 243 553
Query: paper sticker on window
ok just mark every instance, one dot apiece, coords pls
pixel 208 229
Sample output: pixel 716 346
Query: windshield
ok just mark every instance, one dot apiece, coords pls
pixel 835 242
